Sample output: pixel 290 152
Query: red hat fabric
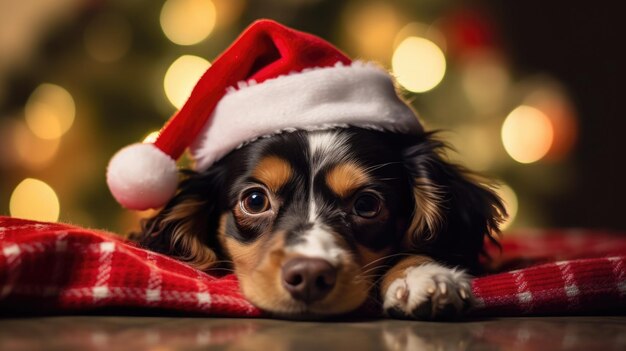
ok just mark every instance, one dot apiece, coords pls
pixel 271 79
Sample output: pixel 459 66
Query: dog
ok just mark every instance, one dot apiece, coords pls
pixel 314 222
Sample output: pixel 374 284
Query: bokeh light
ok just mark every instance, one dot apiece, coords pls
pixel 108 37
pixel 550 98
pixel 188 22
pixel 527 134
pixel 371 27
pixel 50 111
pixel 30 151
pixel 418 64
pixel 421 30
pixel 230 12
pixel 509 198
pixel 36 200
pixel 151 137
pixel 182 76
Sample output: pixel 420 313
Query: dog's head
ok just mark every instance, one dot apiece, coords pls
pixel 308 220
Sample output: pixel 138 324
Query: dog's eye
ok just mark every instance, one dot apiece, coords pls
pixel 255 201
pixel 367 206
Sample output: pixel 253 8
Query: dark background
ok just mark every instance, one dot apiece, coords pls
pixel 581 44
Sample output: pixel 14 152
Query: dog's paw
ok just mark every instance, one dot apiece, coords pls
pixel 428 292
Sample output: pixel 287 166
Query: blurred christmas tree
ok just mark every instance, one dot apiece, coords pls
pixel 86 78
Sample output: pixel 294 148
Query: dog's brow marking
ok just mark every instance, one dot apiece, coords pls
pixel 324 147
pixel 345 178
pixel 327 147
pixel 273 171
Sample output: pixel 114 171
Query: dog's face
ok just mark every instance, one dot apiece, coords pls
pixel 309 214
pixel 308 220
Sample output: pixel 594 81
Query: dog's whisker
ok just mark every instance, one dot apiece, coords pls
pixel 379 166
pixel 379 279
pixel 373 269
pixel 384 258
pixel 366 276
pixel 368 281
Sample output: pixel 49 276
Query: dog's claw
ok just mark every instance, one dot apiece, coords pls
pixel 443 288
pixel 402 293
pixel 463 294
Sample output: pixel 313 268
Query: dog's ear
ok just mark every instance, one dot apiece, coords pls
pixel 454 212
pixel 186 227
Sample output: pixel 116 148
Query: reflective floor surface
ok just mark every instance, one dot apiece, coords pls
pixel 162 334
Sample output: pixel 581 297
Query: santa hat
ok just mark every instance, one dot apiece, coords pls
pixel 271 79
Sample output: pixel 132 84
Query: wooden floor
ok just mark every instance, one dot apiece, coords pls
pixel 161 334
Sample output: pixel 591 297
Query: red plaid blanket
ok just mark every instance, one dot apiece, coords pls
pixel 59 268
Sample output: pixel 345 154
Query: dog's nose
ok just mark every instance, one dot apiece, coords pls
pixel 308 279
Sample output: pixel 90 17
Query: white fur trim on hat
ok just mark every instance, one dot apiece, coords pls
pixel 140 176
pixel 360 95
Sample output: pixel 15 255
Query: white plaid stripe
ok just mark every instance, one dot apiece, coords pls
pixel 10 251
pixel 571 289
pixel 203 296
pixel 101 290
pixel 13 255
pixel 153 295
pixel 524 295
pixel 153 291
pixel 619 270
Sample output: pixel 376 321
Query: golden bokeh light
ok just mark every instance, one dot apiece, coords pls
pixel 418 64
pixel 551 98
pixel 151 137
pixel 108 37
pixel 188 22
pixel 182 76
pixel 35 200
pixel 509 198
pixel 421 30
pixel 30 151
pixel 527 134
pixel 371 28
pixel 230 11
pixel 50 111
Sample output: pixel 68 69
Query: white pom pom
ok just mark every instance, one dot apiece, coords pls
pixel 141 176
